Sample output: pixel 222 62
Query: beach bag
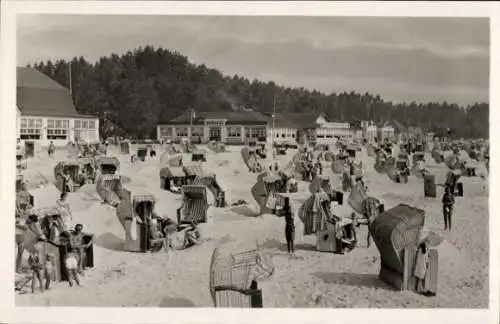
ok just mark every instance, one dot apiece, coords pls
pixel 133 229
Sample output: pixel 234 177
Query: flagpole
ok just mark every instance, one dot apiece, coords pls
pixel 70 83
pixel 272 133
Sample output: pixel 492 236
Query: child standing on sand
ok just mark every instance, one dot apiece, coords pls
pixel 49 271
pixel 36 266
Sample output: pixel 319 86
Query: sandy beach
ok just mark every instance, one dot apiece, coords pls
pixel 311 279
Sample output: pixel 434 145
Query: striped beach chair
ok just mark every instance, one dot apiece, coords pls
pixel 196 204
pixel 108 187
pixel 234 277
pixel 396 234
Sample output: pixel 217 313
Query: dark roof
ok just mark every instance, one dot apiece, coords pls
pixel 399 126
pixel 232 117
pixel 280 121
pixel 39 95
pixel 304 120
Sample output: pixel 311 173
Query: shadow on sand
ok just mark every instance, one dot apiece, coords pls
pixel 352 279
pixel 281 246
pixel 110 241
pixel 176 302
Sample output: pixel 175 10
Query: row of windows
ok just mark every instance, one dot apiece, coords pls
pixel 234 131
pixel 85 124
pixel 283 135
pixel 57 123
pixel 253 132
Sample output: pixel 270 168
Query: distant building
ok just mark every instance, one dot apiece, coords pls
pixel 401 132
pixel 357 131
pixel 318 128
pixel 370 131
pixel 230 127
pixel 386 131
pixel 45 111
pixel 285 131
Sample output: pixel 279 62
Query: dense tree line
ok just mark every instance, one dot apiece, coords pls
pixel 131 93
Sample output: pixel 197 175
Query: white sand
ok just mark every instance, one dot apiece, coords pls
pixel 313 279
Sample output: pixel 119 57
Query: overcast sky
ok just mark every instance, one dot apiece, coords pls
pixel 402 59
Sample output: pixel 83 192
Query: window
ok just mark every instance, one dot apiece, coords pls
pixel 293 135
pixel 234 132
pixel 182 131
pixel 283 135
pixel 85 129
pixel 166 131
pixel 57 129
pixel 197 131
pixel 277 135
pixel 31 128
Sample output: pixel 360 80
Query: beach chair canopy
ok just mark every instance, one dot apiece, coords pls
pixel 271 178
pixel 139 194
pixel 193 170
pixel 175 160
pixel 172 172
pixel 199 152
pixel 356 198
pixel 195 191
pixel 314 213
pixel 108 160
pixel 236 271
pixel 52 210
pixel 394 230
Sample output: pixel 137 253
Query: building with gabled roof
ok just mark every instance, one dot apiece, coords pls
pixel 230 127
pixel 46 111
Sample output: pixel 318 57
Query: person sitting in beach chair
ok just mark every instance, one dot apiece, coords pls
pixel 155 235
pixel 191 236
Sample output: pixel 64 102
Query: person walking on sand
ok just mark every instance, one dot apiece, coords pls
pixel 448 202
pixel 51 149
pixel 289 226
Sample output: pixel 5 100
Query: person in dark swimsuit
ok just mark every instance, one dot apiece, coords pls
pixel 289 225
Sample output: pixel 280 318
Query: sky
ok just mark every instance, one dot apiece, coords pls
pixel 401 59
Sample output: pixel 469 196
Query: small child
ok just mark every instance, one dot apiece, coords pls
pixel 49 270
pixel 71 263
pixel 36 267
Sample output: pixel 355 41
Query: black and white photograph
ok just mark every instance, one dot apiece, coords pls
pixel 249 161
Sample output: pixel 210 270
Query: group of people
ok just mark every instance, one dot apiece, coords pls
pixel 56 227
pixel 345 233
pixel 43 265
pixel 161 230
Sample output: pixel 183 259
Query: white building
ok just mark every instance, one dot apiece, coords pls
pixel 370 131
pixel 284 131
pixel 45 112
pixel 320 129
pixel 386 131
pixel 227 127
